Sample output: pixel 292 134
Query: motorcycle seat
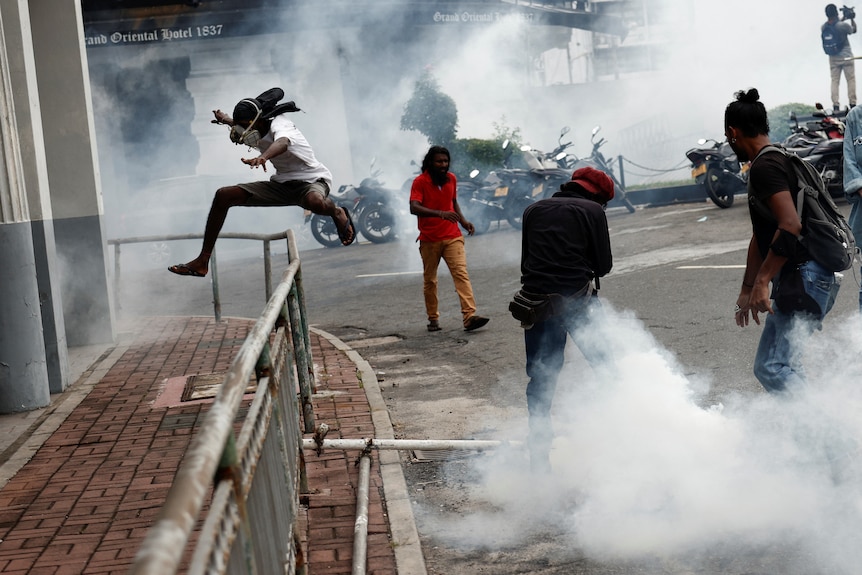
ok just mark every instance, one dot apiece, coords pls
pixel 802 152
pixel 554 172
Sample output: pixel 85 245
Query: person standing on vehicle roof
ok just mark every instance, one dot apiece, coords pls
pixel 853 174
pixel 803 291
pixel 565 248
pixel 434 199
pixel 299 178
pixel 836 44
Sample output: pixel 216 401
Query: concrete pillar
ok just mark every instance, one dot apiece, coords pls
pixel 22 72
pixel 72 165
pixel 23 372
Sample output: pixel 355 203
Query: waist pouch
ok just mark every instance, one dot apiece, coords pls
pixel 532 308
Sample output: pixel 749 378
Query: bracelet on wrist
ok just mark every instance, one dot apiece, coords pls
pixel 751 285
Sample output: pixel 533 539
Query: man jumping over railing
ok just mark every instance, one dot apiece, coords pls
pixel 299 179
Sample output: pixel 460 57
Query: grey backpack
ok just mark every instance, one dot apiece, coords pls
pixel 826 236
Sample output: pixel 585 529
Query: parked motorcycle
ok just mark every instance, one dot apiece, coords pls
pixel 378 213
pixel 518 187
pixel 558 166
pixel 820 141
pixel 478 202
pixel 715 165
pixel 323 229
pixel 381 212
pixel 597 160
pixel 821 125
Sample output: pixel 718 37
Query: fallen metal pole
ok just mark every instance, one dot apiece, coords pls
pixel 426 444
pixel 360 526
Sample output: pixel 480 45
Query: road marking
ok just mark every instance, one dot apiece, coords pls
pixel 639 230
pixel 668 256
pixel 681 211
pixel 730 267
pixel 388 274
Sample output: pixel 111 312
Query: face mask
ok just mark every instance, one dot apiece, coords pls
pixel 247 136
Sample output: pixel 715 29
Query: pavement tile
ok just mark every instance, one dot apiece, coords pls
pixel 84 501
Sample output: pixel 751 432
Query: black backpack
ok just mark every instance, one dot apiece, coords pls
pixel 833 39
pixel 825 234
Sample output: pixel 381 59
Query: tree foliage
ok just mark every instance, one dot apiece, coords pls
pixel 431 112
pixel 779 119
pixel 435 115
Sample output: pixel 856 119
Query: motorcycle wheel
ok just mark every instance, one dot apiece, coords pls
pixel 515 212
pixel 478 215
pixel 377 224
pixel 718 189
pixel 481 222
pixel 324 231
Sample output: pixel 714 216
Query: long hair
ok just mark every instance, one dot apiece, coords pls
pixel 747 113
pixel 433 151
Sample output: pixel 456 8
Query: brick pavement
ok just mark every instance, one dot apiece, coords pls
pixel 84 499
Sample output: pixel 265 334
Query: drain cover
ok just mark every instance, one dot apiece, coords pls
pixel 206 386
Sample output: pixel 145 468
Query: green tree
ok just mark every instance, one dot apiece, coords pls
pixel 474 153
pixel 431 112
pixel 779 119
pixel 435 115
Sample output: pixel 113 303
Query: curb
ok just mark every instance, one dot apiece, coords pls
pixel 402 524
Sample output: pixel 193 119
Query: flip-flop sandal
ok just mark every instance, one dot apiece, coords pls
pixel 184 270
pixel 342 233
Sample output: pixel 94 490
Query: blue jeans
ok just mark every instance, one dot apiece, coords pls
pixel 777 363
pixel 545 345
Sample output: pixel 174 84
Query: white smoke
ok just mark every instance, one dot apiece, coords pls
pixel 641 470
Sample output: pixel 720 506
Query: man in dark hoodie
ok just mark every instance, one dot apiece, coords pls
pixel 299 179
pixel 565 249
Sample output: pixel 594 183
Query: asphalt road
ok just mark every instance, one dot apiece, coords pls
pixel 642 478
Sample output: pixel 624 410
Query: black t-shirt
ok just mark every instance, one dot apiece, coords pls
pixel 564 244
pixel 770 173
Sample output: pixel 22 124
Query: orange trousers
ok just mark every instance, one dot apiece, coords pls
pixel 453 253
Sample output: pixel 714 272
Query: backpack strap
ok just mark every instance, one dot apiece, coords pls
pixel 801 181
pixel 756 203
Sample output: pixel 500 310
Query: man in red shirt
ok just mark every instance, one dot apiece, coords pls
pixel 433 198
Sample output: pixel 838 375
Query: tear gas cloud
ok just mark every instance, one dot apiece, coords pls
pixel 354 89
pixel 641 471
pixel 640 468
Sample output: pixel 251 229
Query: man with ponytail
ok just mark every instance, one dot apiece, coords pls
pixel 299 179
pixel 803 291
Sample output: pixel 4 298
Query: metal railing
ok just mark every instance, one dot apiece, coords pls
pixel 256 475
pixel 267 240
pixel 250 526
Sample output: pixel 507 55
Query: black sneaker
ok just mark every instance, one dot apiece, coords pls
pixel 433 325
pixel 475 322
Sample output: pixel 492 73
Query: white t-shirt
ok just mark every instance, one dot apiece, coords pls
pixel 298 162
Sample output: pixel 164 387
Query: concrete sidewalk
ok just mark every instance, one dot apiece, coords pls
pixel 82 480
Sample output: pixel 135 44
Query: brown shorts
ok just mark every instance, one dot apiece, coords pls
pixel 269 193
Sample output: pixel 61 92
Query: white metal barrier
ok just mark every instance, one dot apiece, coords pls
pixel 266 240
pixel 256 475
